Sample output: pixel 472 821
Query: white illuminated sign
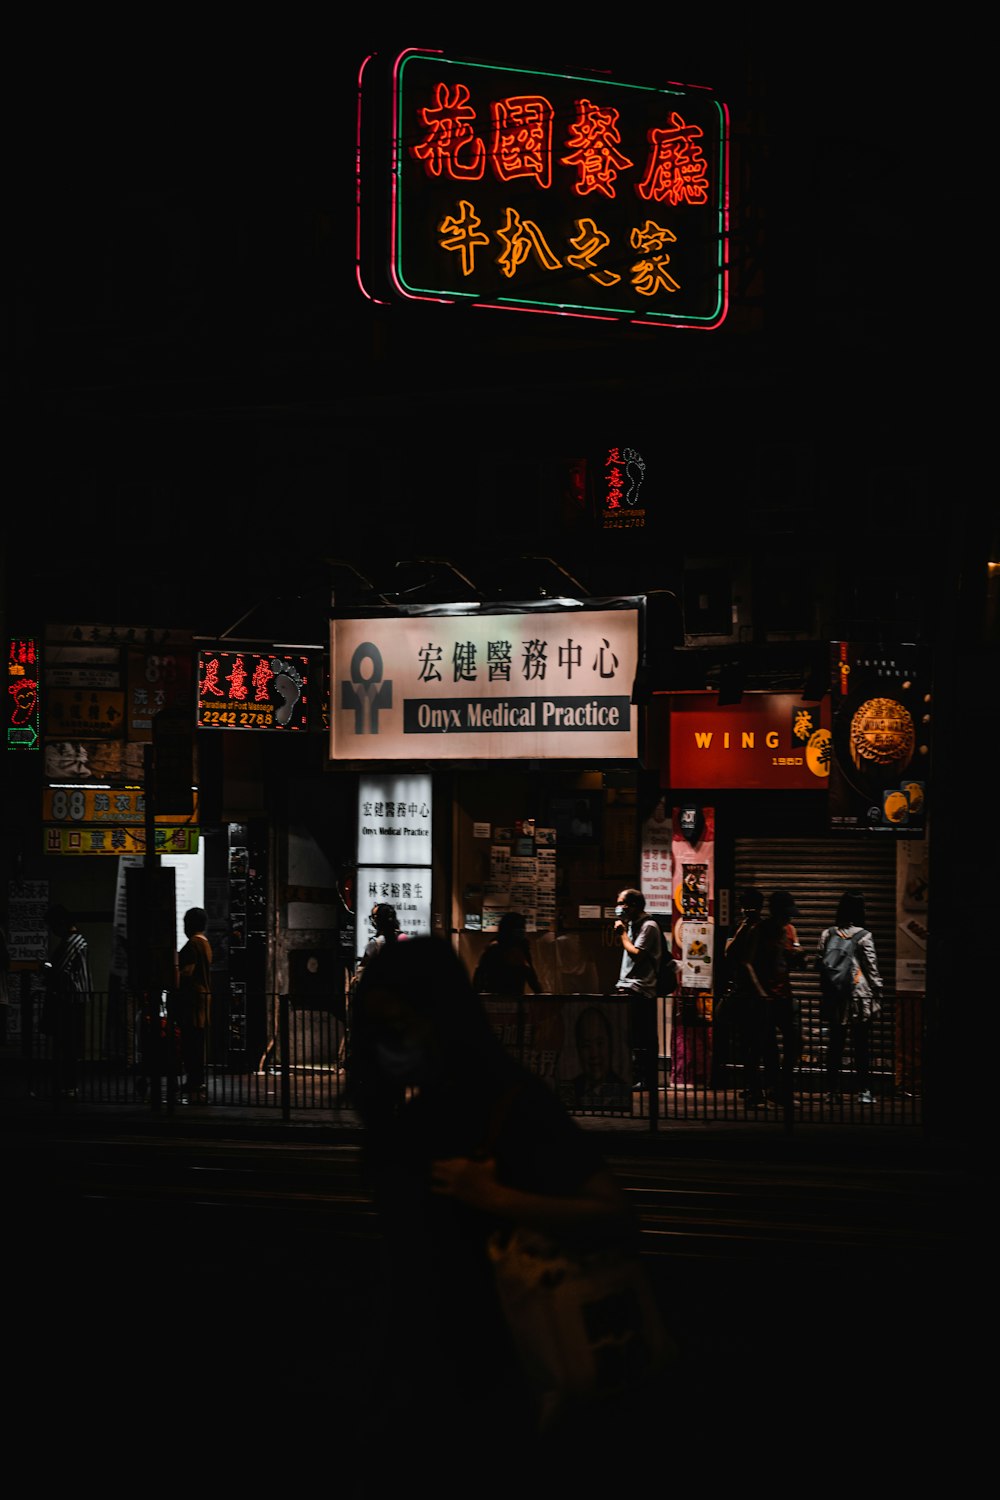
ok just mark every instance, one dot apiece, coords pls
pixel 394 820
pixel 408 890
pixel 534 686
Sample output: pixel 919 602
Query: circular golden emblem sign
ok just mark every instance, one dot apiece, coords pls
pixel 882 734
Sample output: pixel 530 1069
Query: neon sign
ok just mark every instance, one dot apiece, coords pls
pixel 543 192
pixel 23 703
pixel 624 476
pixel 248 690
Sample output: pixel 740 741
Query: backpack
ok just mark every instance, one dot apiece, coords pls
pixel 666 968
pixel 836 969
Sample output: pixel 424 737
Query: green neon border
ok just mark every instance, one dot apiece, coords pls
pixel 639 314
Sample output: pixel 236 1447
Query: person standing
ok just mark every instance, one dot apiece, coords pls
pixel 387 930
pixel 68 989
pixel 746 1002
pixel 505 967
pixel 778 953
pixel 851 1001
pixel 194 966
pixel 638 978
pixel 462 1143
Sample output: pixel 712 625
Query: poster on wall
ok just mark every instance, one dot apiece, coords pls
pixel 580 1046
pixel 693 905
pixel 656 859
pixel 596 1060
pixel 912 884
pixel 880 740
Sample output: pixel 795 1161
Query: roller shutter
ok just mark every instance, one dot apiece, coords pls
pixel 817 872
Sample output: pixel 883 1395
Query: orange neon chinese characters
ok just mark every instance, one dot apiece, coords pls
pixel 451 145
pixel 237 679
pixel 594 139
pixel 463 234
pixel 521 236
pixel 676 171
pixel 650 274
pixel 522 138
pixel 588 242
pixel 211 682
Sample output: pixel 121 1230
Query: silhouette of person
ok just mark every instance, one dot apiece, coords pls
pixel 194 1003
pixel 459 1140
pixel 778 953
pixel 852 1017
pixel 68 988
pixel 748 998
pixel 505 966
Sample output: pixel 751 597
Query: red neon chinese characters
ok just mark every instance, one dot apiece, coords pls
pixel 614 465
pixel 262 675
pixel 211 682
pixel 650 274
pixel 521 236
pixel 589 241
pixel 522 138
pixel 594 138
pixel 677 171
pixel 237 679
pixel 463 234
pixel 451 145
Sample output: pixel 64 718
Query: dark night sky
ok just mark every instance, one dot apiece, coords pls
pixel 188 348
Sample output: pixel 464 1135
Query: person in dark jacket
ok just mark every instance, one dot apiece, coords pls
pixel 460 1141
pixel 505 967
pixel 778 955
pixel 747 997
pixel 194 995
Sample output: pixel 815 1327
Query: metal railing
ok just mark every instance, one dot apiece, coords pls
pixel 292 1057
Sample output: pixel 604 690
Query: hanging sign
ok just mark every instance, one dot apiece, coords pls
pixel 22 711
pixel 251 690
pixel 119 840
pixel 567 192
pixel 768 741
pixel 520 686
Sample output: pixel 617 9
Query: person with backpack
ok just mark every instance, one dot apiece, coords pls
pixel 778 954
pixel 851 993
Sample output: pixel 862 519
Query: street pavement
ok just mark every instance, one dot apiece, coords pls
pixel 819 1284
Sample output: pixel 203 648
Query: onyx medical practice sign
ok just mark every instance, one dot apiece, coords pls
pixel 534 686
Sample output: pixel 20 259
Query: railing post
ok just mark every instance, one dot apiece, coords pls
pixel 284 1033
